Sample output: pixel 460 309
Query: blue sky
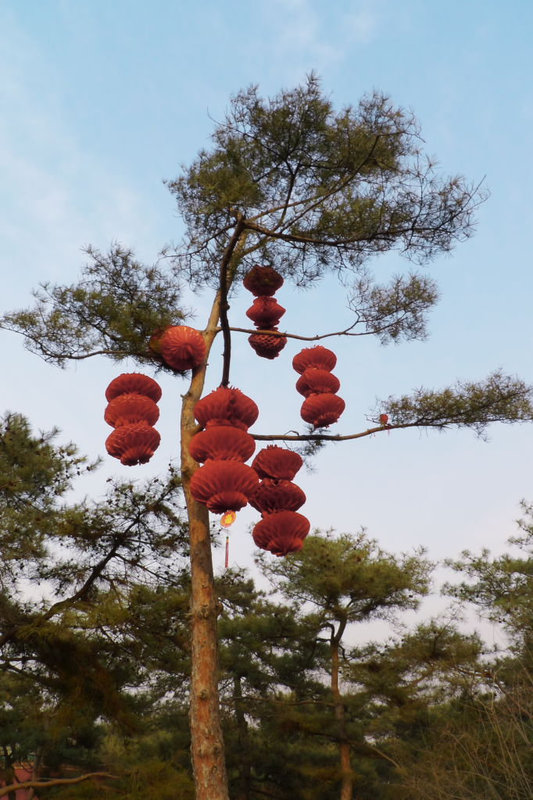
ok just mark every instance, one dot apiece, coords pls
pixel 102 100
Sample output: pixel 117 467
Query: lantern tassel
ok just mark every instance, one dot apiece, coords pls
pixel 226 562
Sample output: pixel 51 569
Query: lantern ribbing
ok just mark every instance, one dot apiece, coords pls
pixel 265 312
pixel 132 411
pixel 322 406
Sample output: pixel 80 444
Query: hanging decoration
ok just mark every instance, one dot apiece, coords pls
pixel 277 462
pixel 322 406
pixel 132 411
pixel 265 312
pixel 226 406
pixel 223 443
pixel 282 532
pixel 277 495
pixel 181 348
pixel 224 485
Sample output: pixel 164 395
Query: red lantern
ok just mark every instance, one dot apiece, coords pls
pixel 282 532
pixel 224 485
pixel 223 443
pixel 134 383
pixel 265 312
pixel 383 419
pixel 266 345
pixel 321 410
pixel 263 281
pixel 127 409
pixel 133 444
pixel 277 462
pixel 317 381
pixel 226 406
pixel 277 495
pixel 181 347
pixel 318 356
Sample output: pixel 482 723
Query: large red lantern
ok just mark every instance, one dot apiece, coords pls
pixel 321 410
pixel 181 347
pixel 223 443
pixel 127 409
pixel 281 533
pixel 133 444
pixel 226 406
pixel 277 462
pixel 224 485
pixel 133 383
pixel 317 381
pixel 267 345
pixel 262 281
pixel 265 312
pixel 318 357
pixel 277 495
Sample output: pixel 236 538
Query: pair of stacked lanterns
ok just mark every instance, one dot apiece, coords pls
pixel 225 483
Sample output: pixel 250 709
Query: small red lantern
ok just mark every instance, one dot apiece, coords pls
pixel 181 347
pixel 317 381
pixel 262 281
pixel 322 410
pixel 277 495
pixel 134 383
pixel 384 419
pixel 223 443
pixel 226 406
pixel 277 462
pixel 318 356
pixel 224 485
pixel 133 444
pixel 265 312
pixel 127 409
pixel 266 345
pixel 281 533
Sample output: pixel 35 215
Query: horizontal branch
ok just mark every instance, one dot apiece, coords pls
pixel 345 332
pixel 328 437
pixel 14 787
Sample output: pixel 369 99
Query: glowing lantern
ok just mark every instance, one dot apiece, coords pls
pixel 133 444
pixel 321 410
pixel 318 357
pixel 228 519
pixel 262 281
pixel 317 381
pixel 133 383
pixel 282 532
pixel 277 495
pixel 265 312
pixel 223 443
pixel 277 462
pixel 127 409
pixel 226 406
pixel 224 485
pixel 181 347
pixel 266 345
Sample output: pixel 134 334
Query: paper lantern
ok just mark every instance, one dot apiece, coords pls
pixel 318 357
pixel 181 347
pixel 133 383
pixel 133 444
pixel 266 345
pixel 277 462
pixel 223 443
pixel 224 485
pixel 383 419
pixel 317 381
pixel 265 312
pixel 127 409
pixel 277 495
pixel 226 406
pixel 262 281
pixel 321 410
pixel 281 533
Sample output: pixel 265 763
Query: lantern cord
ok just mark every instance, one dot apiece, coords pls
pixel 226 562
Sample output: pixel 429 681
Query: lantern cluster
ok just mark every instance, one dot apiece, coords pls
pixel 281 530
pixel 265 312
pixel 322 406
pixel 180 347
pixel 132 411
pixel 224 482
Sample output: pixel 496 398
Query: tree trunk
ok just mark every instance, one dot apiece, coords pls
pixel 207 744
pixel 344 744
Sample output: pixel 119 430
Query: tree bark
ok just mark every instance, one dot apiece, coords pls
pixel 245 771
pixel 344 744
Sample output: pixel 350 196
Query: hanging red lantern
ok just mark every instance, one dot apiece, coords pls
pixel 277 495
pixel 282 532
pixel 322 410
pixel 226 406
pixel 224 485
pixel 384 419
pixel 317 381
pixel 318 357
pixel 277 462
pixel 266 345
pixel 265 312
pixel 181 347
pixel 262 281
pixel 223 443
pixel 134 383
pixel 133 444
pixel 127 409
